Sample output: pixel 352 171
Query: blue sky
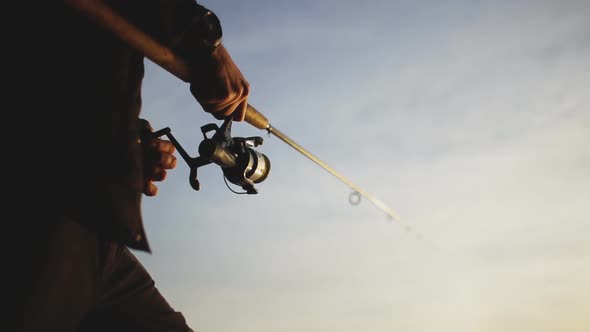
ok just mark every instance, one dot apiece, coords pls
pixel 470 119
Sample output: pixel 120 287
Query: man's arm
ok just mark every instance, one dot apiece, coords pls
pixel 218 84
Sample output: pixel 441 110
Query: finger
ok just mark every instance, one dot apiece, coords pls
pixel 214 105
pixel 160 160
pixel 240 113
pixel 221 105
pixel 242 105
pixel 150 189
pixel 163 146
pixel 224 110
pixel 228 111
pixel 214 93
pixel 167 161
pixel 158 175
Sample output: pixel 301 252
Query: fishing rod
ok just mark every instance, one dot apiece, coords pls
pixel 102 14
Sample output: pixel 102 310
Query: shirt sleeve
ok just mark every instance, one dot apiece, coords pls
pixel 164 20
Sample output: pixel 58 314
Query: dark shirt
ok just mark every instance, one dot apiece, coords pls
pixel 81 114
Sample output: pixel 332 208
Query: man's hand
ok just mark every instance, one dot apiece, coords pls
pixel 220 87
pixel 158 156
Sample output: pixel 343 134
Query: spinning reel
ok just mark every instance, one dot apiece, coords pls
pixel 241 164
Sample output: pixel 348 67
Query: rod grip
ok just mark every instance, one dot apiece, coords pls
pixel 256 118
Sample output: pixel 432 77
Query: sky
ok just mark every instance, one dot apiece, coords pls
pixel 470 119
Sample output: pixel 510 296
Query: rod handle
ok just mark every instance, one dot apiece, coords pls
pixel 256 118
